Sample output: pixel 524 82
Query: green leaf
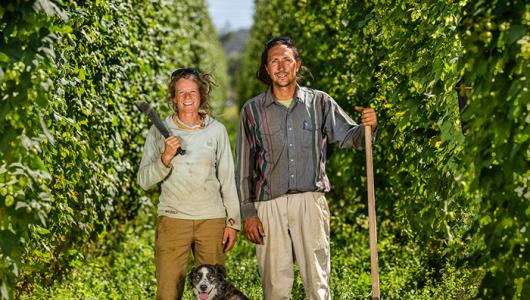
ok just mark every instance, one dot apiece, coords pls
pixel 3 57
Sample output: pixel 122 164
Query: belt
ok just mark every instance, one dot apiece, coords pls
pixel 293 192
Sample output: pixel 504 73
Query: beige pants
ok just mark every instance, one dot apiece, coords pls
pixel 174 240
pixel 295 225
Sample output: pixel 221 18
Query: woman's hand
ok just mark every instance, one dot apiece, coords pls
pixel 229 238
pixel 171 145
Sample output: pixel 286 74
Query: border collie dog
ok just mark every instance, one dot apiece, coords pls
pixel 209 283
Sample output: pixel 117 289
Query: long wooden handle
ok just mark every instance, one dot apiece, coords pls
pixel 371 213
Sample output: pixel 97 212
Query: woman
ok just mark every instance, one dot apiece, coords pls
pixel 198 208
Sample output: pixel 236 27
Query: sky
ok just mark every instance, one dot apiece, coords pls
pixel 234 14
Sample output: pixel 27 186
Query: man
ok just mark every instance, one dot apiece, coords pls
pixel 281 177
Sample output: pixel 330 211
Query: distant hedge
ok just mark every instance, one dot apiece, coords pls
pixel 450 81
pixel 70 138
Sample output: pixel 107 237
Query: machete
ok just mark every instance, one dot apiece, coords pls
pixel 155 119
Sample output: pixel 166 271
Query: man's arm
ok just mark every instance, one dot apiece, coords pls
pixel 341 129
pixel 245 160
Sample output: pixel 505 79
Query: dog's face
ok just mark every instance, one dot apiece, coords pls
pixel 206 280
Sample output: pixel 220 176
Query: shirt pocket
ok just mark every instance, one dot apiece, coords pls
pixel 307 134
pixel 272 137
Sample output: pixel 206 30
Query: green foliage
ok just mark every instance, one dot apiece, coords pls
pixel 495 79
pixel 107 271
pixel 457 185
pixel 449 80
pixel 116 269
pixel 70 137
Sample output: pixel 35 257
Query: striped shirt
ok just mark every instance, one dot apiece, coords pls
pixel 282 150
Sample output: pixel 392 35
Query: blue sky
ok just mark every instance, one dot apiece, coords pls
pixel 236 13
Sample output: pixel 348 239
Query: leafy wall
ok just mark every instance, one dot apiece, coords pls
pixel 449 81
pixel 70 139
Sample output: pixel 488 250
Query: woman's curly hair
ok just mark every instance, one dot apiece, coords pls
pixel 204 81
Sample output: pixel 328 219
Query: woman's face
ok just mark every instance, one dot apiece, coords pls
pixel 187 96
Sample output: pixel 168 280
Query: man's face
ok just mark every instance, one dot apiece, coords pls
pixel 187 97
pixel 282 66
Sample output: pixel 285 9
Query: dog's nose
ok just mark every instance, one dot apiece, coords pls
pixel 203 287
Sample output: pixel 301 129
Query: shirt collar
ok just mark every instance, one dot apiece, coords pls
pixel 299 95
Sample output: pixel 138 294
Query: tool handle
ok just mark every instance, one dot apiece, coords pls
pixel 371 213
pixel 181 151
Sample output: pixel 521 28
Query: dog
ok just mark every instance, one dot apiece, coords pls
pixel 209 283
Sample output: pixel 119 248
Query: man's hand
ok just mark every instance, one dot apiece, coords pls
pixel 229 238
pixel 368 117
pixel 171 145
pixel 254 230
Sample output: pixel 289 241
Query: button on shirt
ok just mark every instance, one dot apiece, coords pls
pixel 282 150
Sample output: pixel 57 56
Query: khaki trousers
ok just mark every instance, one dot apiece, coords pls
pixel 174 238
pixel 295 225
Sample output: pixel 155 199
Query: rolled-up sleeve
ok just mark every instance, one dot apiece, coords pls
pixel 339 127
pixel 245 161
pixel 225 175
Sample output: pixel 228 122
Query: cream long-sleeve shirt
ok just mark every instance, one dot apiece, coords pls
pixel 199 184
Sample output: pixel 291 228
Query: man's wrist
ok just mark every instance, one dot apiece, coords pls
pixel 248 211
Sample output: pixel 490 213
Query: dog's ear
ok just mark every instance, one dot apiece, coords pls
pixel 220 269
pixel 192 274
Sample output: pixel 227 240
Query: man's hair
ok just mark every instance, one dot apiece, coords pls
pixel 204 81
pixel 262 74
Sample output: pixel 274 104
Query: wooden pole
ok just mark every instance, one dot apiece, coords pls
pixel 371 213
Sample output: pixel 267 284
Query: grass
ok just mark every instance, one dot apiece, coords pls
pixel 127 270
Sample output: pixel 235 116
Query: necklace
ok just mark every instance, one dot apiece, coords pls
pixel 180 124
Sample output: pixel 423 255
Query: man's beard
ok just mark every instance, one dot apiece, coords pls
pixel 286 84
